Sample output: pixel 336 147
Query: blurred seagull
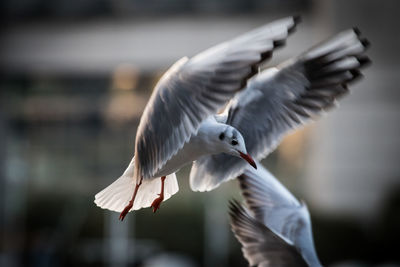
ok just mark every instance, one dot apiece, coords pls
pixel 178 124
pixel 281 99
pixel 276 229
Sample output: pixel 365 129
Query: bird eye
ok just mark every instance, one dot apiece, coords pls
pixel 221 136
pixel 234 142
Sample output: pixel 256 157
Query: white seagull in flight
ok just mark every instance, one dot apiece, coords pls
pixel 178 124
pixel 276 229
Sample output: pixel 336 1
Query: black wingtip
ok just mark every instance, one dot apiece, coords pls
pixel 364 61
pixel 242 183
pixel 233 203
pixel 357 75
pixel 279 43
pixel 357 31
pixel 355 72
pixel 297 19
pixel 234 207
pixel 365 42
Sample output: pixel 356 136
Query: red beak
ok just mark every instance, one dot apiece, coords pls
pixel 249 159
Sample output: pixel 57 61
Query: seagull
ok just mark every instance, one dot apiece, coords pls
pixel 280 99
pixel 179 123
pixel 276 229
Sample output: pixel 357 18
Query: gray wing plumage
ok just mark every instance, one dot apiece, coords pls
pixel 273 206
pixel 264 195
pixel 260 245
pixel 193 89
pixel 280 99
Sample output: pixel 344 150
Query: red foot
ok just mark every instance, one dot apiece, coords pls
pixel 125 211
pixel 157 202
pixel 130 205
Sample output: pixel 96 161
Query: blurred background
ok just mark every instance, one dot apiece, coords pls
pixel 75 77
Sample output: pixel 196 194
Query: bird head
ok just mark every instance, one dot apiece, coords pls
pixel 233 144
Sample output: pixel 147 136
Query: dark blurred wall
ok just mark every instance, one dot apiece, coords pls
pixel 75 76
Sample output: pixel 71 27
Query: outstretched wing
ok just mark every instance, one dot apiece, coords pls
pixel 271 203
pixel 264 194
pixel 275 207
pixel 260 245
pixel 280 99
pixel 193 89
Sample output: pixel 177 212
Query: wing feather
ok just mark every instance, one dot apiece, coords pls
pixel 193 89
pixel 281 99
pixel 260 245
pixel 271 203
pixel 272 208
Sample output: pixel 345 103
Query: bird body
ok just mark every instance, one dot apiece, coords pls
pixel 179 124
pixel 176 128
pixel 205 142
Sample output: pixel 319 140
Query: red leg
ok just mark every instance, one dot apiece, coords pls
pixel 130 205
pixel 157 202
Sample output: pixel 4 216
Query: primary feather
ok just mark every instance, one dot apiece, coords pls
pixel 283 98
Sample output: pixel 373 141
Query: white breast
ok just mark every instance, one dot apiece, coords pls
pixel 201 144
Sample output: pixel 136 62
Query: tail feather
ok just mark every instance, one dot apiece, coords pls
pixel 117 195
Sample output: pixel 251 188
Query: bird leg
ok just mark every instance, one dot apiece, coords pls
pixel 157 202
pixel 130 204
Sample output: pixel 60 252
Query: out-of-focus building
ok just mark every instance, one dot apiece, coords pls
pixel 75 79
